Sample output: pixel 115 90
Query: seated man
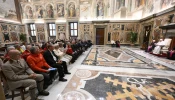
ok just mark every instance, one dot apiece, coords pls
pixel 26 53
pixel 158 47
pixel 151 46
pixel 38 64
pixel 53 61
pixel 18 74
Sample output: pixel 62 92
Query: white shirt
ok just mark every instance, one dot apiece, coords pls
pixel 53 56
pixel 58 52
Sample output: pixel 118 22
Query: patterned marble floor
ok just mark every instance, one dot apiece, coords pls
pixel 97 85
pixel 123 57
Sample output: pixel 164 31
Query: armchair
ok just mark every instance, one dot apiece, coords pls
pixel 167 45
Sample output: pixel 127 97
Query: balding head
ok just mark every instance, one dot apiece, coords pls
pixel 14 54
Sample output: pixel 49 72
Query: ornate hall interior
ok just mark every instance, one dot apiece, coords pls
pixel 112 49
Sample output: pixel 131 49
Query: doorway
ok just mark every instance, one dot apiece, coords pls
pixel 100 36
pixel 146 36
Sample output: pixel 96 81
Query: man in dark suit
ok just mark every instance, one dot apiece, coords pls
pixel 53 60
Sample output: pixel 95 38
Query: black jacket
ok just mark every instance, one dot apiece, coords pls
pixel 49 58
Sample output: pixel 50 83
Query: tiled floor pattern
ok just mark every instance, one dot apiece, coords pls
pixel 122 57
pixel 96 85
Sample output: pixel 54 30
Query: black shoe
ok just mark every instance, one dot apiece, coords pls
pixel 44 93
pixel 6 95
pixel 62 79
pixel 67 73
pixel 50 82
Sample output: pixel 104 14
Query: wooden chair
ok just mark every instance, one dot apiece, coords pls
pixel 21 89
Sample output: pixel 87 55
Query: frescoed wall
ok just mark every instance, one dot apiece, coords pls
pixel 8 9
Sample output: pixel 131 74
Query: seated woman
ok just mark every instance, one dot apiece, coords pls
pixel 171 54
pixel 71 53
pixel 58 52
pixel 151 46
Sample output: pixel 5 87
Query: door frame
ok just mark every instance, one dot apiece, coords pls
pixel 105 32
pixel 99 33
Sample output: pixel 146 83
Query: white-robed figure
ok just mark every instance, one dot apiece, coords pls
pixel 158 46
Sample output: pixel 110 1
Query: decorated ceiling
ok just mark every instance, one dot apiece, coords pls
pixel 7 9
pixel 92 9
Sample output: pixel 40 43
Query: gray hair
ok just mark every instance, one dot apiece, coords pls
pixel 33 49
pixel 10 48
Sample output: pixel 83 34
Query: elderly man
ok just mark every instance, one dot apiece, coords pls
pixel 18 74
pixel 158 46
pixel 38 64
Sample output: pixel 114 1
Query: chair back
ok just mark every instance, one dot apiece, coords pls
pixel 167 42
pixel 2 76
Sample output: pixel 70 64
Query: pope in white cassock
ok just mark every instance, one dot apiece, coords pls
pixel 158 47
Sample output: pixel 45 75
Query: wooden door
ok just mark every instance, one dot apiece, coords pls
pixel 100 36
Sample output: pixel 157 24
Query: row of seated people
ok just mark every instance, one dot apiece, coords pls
pixel 157 48
pixel 44 66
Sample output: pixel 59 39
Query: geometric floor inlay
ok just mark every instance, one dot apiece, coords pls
pixel 119 86
pixel 120 57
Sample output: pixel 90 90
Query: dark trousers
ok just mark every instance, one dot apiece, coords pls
pixel 59 69
pixel 48 77
pixel 73 58
pixel 64 64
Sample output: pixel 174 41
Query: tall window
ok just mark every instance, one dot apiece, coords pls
pixel 52 30
pixel 73 26
pixel 32 29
